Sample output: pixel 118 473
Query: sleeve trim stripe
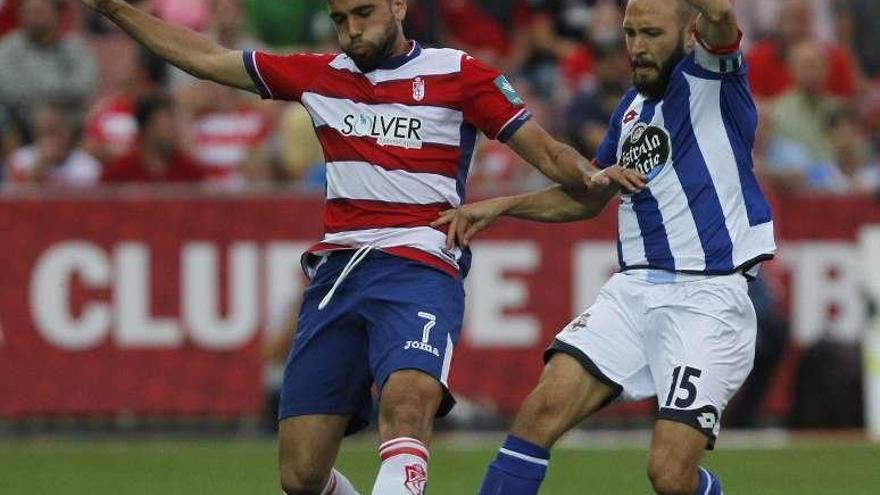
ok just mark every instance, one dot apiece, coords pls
pixel 250 63
pixel 513 125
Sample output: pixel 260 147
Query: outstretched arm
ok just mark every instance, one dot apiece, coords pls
pixel 557 161
pixel 716 23
pixel 563 165
pixel 181 47
pixel 554 204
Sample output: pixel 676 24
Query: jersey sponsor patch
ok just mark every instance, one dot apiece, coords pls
pixel 646 150
pixel 508 91
pixel 387 130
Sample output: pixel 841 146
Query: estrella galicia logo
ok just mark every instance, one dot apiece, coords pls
pixel 646 150
pixel 388 130
pixel 508 91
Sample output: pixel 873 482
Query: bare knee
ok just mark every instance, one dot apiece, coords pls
pixel 410 400
pixel 302 482
pixel 565 396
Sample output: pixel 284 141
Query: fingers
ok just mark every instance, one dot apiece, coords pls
pixel 452 234
pixel 629 180
pixel 445 218
pixel 472 231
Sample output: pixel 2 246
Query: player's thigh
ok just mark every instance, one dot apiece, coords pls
pixel 414 316
pixel 307 448
pixel 608 339
pixel 566 394
pixel 327 371
pixel 702 350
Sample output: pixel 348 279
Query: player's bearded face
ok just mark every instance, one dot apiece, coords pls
pixel 651 76
pixel 369 54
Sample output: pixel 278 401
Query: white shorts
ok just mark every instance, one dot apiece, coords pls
pixel 689 343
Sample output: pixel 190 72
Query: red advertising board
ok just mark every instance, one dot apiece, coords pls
pixel 150 303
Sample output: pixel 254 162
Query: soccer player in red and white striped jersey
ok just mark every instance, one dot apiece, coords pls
pixel 398 124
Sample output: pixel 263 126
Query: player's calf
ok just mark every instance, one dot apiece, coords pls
pixel 674 462
pixel 566 395
pixel 410 400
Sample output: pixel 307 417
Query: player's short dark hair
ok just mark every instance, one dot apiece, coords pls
pixel 145 108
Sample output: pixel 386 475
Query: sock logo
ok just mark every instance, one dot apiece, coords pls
pixel 416 477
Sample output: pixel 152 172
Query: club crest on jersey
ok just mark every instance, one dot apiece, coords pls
pixel 646 150
pixel 419 89
pixel 388 130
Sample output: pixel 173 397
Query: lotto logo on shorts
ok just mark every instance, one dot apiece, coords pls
pixel 423 345
pixel 707 420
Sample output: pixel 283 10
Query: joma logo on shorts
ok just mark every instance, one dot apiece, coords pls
pixel 426 335
pixel 422 346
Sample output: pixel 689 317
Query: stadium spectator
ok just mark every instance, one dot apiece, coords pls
pixel 759 19
pixel 769 75
pixel 862 18
pixel 779 162
pixel 111 129
pixel 853 169
pixel 562 33
pixel 228 135
pixel 300 152
pixel 486 28
pixel 53 158
pixel 157 155
pixel 801 113
pixel 588 113
pixel 8 16
pixel 39 64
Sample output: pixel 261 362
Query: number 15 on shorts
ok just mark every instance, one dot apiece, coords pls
pixel 683 379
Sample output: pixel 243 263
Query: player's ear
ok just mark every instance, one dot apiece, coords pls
pixel 690 36
pixel 398 8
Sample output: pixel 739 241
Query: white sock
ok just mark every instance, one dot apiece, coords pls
pixel 404 468
pixel 338 484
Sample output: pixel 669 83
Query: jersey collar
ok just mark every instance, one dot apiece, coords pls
pixel 399 61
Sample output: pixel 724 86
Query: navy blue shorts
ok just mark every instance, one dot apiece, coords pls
pixel 389 314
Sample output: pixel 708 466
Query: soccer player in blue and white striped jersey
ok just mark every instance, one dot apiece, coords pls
pixel 676 321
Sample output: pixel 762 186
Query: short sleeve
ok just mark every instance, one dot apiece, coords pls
pixel 284 77
pixel 719 60
pixel 491 104
pixel 606 155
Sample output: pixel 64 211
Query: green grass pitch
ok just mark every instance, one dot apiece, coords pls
pixel 220 467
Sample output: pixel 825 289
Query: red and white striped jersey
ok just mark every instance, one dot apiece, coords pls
pixel 398 141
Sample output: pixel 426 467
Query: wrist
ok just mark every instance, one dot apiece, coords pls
pixel 504 205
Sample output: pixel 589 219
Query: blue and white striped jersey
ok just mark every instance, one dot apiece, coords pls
pixel 703 211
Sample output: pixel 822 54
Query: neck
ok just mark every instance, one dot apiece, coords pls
pixel 401 47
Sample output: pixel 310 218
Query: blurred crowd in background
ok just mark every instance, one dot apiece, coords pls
pixel 81 104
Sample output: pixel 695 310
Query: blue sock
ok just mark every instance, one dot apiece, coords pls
pixel 518 469
pixel 709 484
